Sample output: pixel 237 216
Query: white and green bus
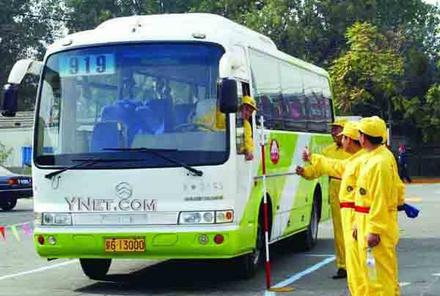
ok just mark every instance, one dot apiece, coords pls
pixel 132 157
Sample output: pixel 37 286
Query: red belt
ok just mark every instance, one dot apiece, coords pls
pixel 360 209
pixel 347 204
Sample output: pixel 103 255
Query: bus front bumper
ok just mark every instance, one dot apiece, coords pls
pixel 53 243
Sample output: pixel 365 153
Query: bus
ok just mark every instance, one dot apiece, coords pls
pixel 138 137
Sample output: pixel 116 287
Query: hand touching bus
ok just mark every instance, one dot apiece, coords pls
pixel 306 155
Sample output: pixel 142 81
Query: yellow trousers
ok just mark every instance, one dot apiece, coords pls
pixel 385 255
pixel 355 280
pixel 337 224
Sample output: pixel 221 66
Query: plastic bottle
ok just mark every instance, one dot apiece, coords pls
pixel 371 266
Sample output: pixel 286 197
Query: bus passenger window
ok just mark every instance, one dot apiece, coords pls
pixel 266 108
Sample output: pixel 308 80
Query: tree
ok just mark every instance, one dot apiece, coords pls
pixel 86 15
pixel 25 29
pixel 4 153
pixel 315 31
pixel 425 113
pixel 368 72
pixel 232 9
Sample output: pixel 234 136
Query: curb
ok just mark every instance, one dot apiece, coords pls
pixel 425 181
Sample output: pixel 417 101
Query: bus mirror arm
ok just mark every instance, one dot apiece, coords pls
pixel 23 67
pixel 18 72
pixel 227 95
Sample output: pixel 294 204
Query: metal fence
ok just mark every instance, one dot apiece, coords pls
pixel 424 161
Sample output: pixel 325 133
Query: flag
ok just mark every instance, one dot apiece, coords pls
pixel 26 229
pixel 14 232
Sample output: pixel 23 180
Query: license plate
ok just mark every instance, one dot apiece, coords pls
pixel 124 245
pixel 24 182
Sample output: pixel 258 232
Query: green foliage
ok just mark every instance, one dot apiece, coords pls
pixel 4 153
pixel 426 115
pixel 25 28
pixel 85 15
pixel 368 71
pixel 394 58
pixel 277 19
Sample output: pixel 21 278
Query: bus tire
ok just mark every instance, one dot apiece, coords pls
pixel 308 238
pixel 8 203
pixel 248 264
pixel 95 269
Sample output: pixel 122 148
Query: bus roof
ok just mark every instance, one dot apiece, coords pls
pixel 176 27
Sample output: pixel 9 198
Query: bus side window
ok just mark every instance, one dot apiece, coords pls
pixel 266 108
pixel 244 90
pixel 328 112
pixel 328 106
pixel 317 105
pixel 296 117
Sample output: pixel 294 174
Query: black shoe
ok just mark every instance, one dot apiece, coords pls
pixel 340 274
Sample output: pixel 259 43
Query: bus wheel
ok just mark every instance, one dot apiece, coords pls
pixel 308 238
pixel 95 269
pixel 8 203
pixel 248 264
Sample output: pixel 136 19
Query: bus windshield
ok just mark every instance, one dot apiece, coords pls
pixel 161 96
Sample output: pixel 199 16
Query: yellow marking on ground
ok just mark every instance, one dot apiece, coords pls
pixel 413 199
pixel 282 289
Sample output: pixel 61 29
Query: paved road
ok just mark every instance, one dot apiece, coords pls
pixel 22 272
pixel 21 213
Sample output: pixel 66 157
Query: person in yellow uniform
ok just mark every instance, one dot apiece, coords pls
pixel 376 199
pixel 212 119
pixel 248 106
pixel 347 170
pixel 336 151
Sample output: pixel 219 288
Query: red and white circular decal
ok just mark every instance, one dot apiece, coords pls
pixel 274 151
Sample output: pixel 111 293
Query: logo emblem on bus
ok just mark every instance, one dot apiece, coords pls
pixel 274 151
pixel 124 190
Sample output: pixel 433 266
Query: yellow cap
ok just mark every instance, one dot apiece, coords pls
pixel 373 126
pixel 351 130
pixel 249 101
pixel 339 122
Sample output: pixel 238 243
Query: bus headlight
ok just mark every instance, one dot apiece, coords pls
pixel 206 217
pixel 56 219
pixel 196 217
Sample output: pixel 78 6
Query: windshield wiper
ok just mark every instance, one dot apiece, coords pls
pixel 83 163
pixel 156 152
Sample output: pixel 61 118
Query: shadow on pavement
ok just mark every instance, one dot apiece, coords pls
pixel 201 277
pixel 16 211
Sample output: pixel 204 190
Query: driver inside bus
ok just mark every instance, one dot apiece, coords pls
pixel 208 116
pixel 247 107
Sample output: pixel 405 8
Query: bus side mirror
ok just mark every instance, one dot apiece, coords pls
pixel 227 94
pixel 10 95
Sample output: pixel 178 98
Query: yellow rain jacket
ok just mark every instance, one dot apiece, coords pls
pixel 347 170
pixel 336 152
pixel 248 141
pixel 213 120
pixel 376 201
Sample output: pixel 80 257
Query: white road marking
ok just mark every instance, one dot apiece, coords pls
pixel 301 274
pixel 5 277
pixel 403 284
pixel 436 274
